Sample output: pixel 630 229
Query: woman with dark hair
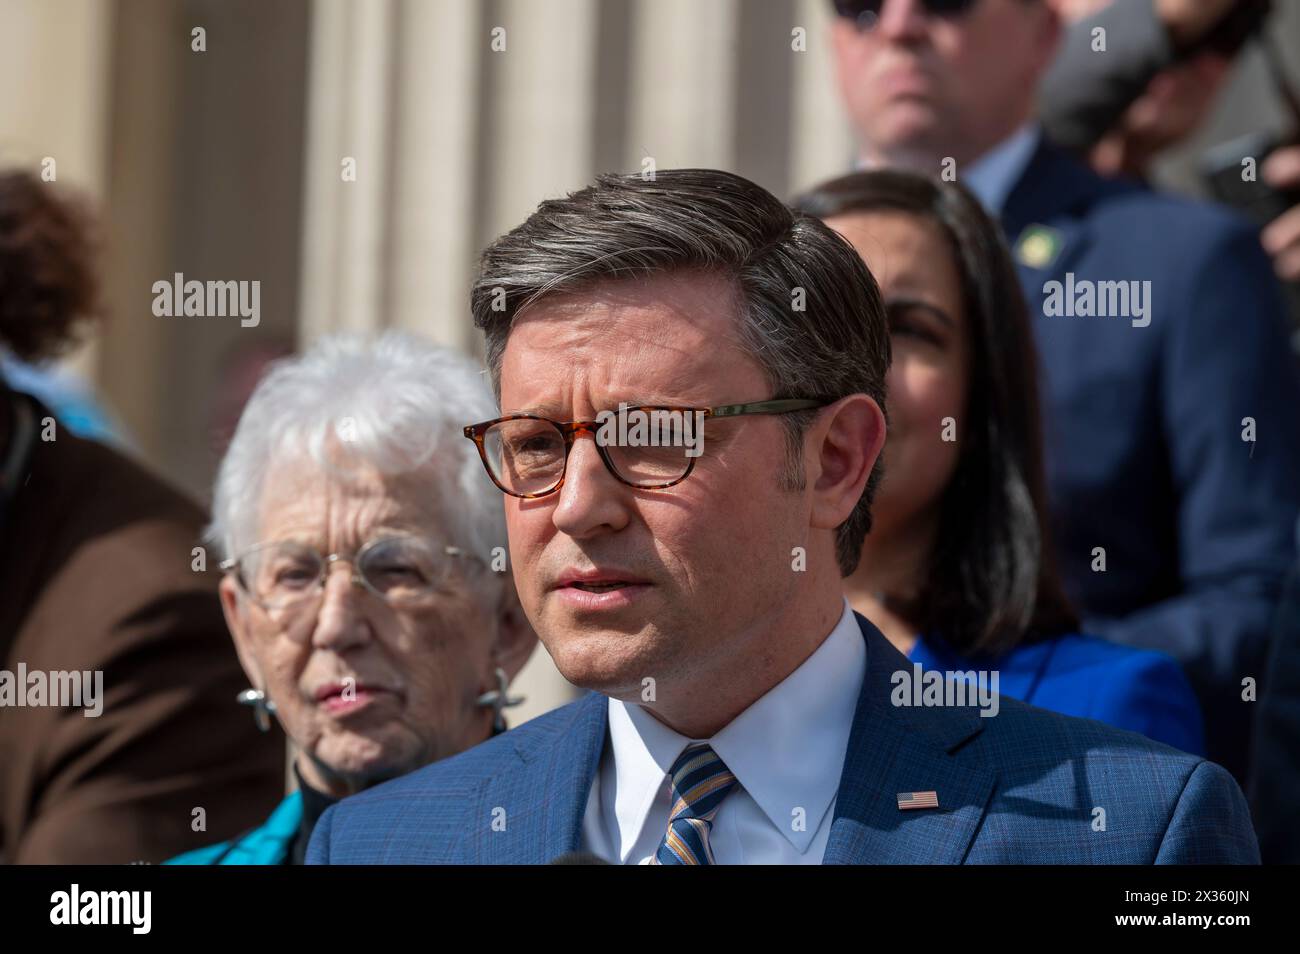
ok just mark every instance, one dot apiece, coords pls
pixel 958 569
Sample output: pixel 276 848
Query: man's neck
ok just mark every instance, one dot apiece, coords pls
pixel 929 158
pixel 890 574
pixel 912 158
pixel 718 696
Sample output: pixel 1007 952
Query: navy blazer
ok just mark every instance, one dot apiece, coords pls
pixel 1144 427
pixel 1275 773
pixel 1025 786
pixel 1134 689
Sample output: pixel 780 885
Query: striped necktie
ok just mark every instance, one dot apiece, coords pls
pixel 701 781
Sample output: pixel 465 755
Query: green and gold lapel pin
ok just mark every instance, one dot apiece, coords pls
pixel 1038 246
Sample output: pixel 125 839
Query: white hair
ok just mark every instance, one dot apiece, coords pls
pixel 396 403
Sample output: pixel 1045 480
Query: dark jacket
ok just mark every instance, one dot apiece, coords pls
pixel 96 559
pixel 1144 427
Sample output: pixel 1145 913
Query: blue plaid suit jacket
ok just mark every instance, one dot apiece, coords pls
pixel 1023 786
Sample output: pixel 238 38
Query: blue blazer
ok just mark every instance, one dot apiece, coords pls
pixel 1275 775
pixel 1143 428
pixel 1020 787
pixel 1077 675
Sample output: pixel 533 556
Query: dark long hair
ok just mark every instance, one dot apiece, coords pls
pixel 992 581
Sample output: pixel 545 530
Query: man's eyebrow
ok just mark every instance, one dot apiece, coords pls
pixel 659 401
pixel 555 413
pixel 545 409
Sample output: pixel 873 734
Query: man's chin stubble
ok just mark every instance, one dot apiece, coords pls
pixel 612 670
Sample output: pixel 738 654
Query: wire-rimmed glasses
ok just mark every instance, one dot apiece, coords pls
pixel 403 570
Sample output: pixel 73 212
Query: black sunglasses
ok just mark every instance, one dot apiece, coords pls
pixel 866 12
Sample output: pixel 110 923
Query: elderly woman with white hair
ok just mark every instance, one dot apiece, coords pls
pixel 365 581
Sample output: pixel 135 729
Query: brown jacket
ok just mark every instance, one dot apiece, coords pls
pixel 95 574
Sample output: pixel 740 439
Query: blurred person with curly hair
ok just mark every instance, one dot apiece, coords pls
pixel 98 591
pixel 45 313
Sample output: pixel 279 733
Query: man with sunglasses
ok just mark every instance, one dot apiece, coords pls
pixel 740 712
pixel 1173 446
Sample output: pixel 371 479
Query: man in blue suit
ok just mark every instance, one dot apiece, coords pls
pixel 691 378
pixel 1170 398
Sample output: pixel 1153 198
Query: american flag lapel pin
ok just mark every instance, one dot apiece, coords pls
pixel 908 800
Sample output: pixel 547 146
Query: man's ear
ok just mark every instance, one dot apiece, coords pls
pixel 1051 28
pixel 516 638
pixel 235 610
pixel 846 441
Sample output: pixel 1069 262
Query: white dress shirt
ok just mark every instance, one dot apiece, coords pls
pixel 786 751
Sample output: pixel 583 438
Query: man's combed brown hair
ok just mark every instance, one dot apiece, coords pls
pixel 811 313
pixel 49 284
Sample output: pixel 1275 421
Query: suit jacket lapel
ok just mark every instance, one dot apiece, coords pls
pixel 895 749
pixel 1052 185
pixel 541 804
pixel 1053 193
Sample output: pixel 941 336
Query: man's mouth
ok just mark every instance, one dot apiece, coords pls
pixel 597 579
pixel 600 587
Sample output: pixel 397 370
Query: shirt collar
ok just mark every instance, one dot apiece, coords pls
pixel 786 750
pixel 992 177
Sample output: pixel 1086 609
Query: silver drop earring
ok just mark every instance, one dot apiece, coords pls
pixel 262 707
pixel 499 700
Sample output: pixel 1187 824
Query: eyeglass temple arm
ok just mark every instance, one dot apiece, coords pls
pixel 777 406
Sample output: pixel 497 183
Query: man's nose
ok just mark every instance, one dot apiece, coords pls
pixel 591 499
pixel 341 620
pixel 901 20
